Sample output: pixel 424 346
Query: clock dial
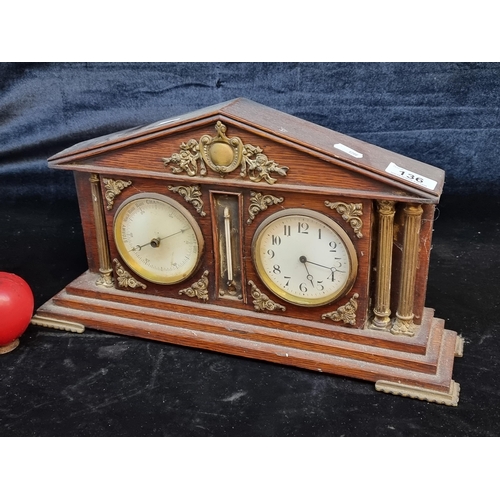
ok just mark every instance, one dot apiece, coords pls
pixel 158 238
pixel 304 257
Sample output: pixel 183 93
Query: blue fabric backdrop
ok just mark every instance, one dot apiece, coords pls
pixel 445 114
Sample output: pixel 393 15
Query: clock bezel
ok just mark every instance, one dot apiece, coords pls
pixel 283 294
pixel 132 264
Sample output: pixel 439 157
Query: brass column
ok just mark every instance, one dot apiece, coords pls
pixel 102 241
pixel 381 309
pixel 403 323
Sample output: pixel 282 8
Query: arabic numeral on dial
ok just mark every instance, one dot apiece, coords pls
pixel 275 240
pixel 276 269
pixel 303 228
pixel 270 253
pixel 288 278
pixel 319 286
pixel 287 230
pixel 303 287
pixel 333 246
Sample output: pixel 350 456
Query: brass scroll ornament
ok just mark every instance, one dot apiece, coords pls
pixel 260 202
pixel 262 302
pixel 192 194
pixel 198 289
pixel 345 313
pixel 113 189
pixel 351 213
pixel 125 279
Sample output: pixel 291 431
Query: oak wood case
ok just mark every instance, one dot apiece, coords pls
pixel 318 172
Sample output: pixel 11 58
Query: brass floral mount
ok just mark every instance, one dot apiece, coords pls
pixel 262 302
pixel 260 202
pixel 192 194
pixel 198 289
pixel 125 280
pixel 223 155
pixel 113 187
pixel 345 313
pixel 350 212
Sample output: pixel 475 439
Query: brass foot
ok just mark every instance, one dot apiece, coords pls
pixel 58 324
pixel 4 349
pixel 459 346
pixel 450 398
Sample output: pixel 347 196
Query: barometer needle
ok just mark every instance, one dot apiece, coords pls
pixel 155 242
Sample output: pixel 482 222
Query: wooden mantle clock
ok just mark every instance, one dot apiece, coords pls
pixel 244 230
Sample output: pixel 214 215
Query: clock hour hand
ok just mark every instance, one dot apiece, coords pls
pixel 310 277
pixel 155 242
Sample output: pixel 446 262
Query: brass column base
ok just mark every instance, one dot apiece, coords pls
pixel 404 326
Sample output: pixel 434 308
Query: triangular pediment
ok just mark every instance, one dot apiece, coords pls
pixel 307 154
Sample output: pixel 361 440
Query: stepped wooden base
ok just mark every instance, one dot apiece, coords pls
pixel 418 367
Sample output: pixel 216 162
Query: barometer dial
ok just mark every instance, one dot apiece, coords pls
pixel 158 238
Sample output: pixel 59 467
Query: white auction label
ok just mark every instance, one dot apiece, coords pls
pixel 348 150
pixel 404 173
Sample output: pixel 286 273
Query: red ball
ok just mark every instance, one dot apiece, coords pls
pixel 16 307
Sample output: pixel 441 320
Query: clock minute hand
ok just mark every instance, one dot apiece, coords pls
pixel 332 268
pixel 316 264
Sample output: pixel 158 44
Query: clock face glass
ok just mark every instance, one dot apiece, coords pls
pixel 304 257
pixel 158 238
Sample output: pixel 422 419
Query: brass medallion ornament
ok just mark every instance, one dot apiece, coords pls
pixel 223 155
pixel 335 286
